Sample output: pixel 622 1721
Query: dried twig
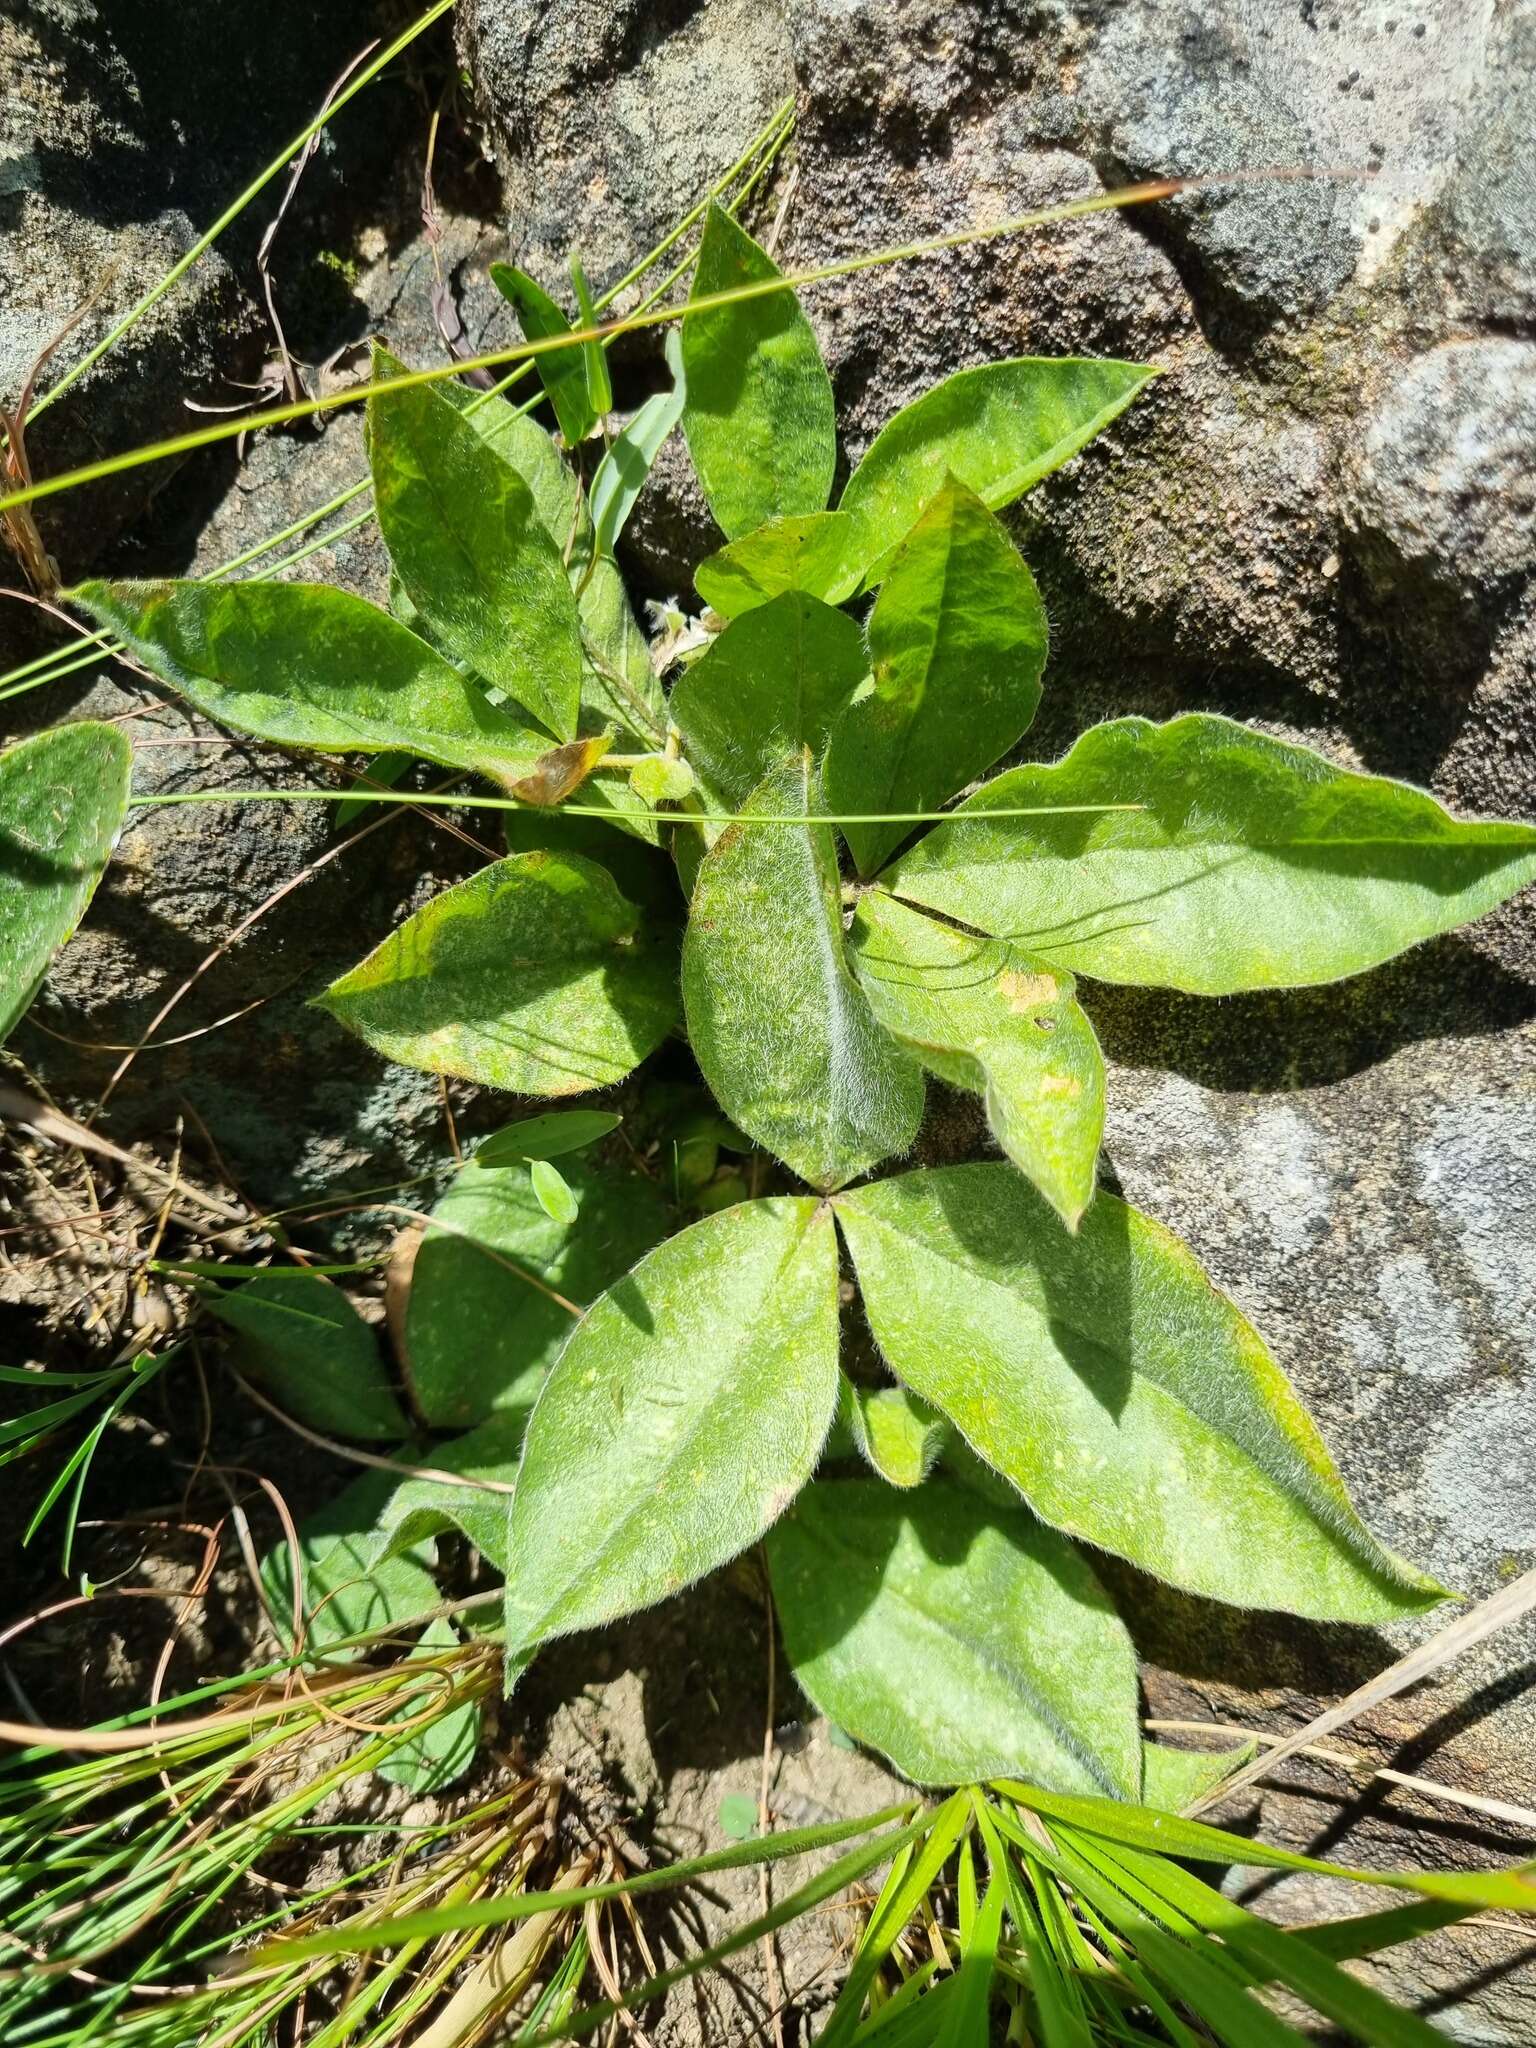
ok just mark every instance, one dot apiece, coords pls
pixel 1483 1620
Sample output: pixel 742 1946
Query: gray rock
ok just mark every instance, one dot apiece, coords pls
pixel 71 232
pixel 1444 492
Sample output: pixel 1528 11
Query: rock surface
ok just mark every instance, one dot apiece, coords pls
pixel 1323 518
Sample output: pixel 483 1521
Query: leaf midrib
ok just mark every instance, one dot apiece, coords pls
pixel 594 1565
pixel 1011 1677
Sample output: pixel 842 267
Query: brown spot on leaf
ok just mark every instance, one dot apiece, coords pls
pixel 1024 992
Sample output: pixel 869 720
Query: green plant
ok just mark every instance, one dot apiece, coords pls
pixel 1065 1374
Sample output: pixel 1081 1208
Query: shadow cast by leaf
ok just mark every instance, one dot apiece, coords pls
pixel 1312 1037
pixel 1084 1283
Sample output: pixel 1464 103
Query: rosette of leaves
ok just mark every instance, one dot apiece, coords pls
pixel 1064 1379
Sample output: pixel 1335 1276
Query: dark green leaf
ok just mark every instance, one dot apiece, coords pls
pixel 775 680
pixel 350 1585
pixel 803 552
pixel 552 1192
pixel 999 428
pixel 562 371
pixel 620 476
pixel 547 1136
pixel 957 641
pixel 382 772
pixel 1130 1403
pixel 681 1419
pixel 535 975
pixel 643 873
pixel 759 415
pixel 482 1328
pixel 473 553
pixel 959 1640
pixel 439 1753
pixel 1252 864
pixel 63 797
pixel 984 1016
pixel 785 1036
pixel 310 666
pixel 312 1352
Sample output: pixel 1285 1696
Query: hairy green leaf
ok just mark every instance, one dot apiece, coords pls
pixel 618 686
pixel 983 1015
pixel 784 1034
pixel 897 1435
pixel 620 476
pixel 958 1639
pixel 1173 1778
pixel 466 1488
pixel 775 680
pixel 473 553
pixel 547 1136
pixel 1130 1403
pixel 310 666
pixel 681 1419
pixel 63 798
pixel 482 1326
pixel 535 975
pixel 999 428
pixel 312 1352
pixel 957 640
pixel 799 552
pixel 562 371
pixel 1252 864
pixel 759 415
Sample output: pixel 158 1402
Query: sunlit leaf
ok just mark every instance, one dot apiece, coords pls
pixel 562 371
pixel 535 975
pixel 63 797
pixel 1130 1403
pixel 482 1324
pixel 759 415
pixel 312 1352
pixel 957 640
pixel 952 1636
pixel 599 387
pixel 681 1419
pixel 1251 864
pixel 999 428
pixel 983 1015
pixel 476 559
pixel 785 1036
pixel 311 666
pixel 804 551
pixel 898 1436
pixel 552 1192
pixel 1173 1778
pixel 620 476
pixel 774 681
